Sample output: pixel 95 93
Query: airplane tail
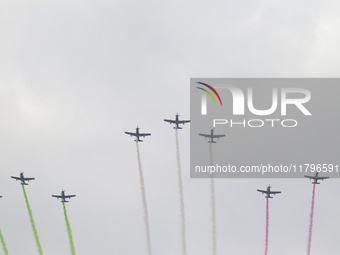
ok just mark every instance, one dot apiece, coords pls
pixel 212 142
pixel 178 128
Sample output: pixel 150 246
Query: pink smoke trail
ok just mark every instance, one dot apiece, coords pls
pixel 267 226
pixel 311 222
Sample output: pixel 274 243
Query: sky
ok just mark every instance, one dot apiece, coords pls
pixel 76 74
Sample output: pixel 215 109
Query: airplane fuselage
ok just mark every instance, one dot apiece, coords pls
pixel 137 135
pixel 63 196
pixel 22 179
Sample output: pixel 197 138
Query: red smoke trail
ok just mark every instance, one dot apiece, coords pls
pixel 311 222
pixel 267 226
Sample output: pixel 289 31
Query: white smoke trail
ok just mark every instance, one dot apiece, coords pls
pixel 144 202
pixel 181 198
pixel 213 207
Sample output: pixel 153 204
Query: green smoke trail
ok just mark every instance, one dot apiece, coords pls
pixel 34 229
pixel 4 247
pixel 69 231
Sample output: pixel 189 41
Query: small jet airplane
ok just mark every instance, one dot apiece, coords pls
pixel 212 136
pixel 316 178
pixel 22 178
pixel 177 122
pixel 137 134
pixel 268 192
pixel 63 196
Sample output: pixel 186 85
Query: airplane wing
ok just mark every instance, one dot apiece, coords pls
pixel 16 178
pixel 205 135
pixel 69 196
pixel 274 192
pixel 322 178
pixel 29 179
pixel 218 136
pixel 144 134
pixel 262 191
pixel 56 196
pixel 170 121
pixel 183 121
pixel 310 177
pixel 130 133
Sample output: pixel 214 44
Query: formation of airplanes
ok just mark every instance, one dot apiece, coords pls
pixel 315 179
pixel 23 180
pixel 63 196
pixel 212 136
pixel 177 122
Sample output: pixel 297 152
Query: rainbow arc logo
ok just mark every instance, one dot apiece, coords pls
pixel 211 92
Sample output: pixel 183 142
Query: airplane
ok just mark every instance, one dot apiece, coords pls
pixel 137 134
pixel 63 196
pixel 22 178
pixel 177 122
pixel 269 192
pixel 212 136
pixel 316 178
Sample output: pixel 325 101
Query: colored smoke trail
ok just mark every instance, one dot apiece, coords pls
pixel 144 202
pixel 34 229
pixel 69 231
pixel 267 226
pixel 310 232
pixel 4 247
pixel 181 198
pixel 213 206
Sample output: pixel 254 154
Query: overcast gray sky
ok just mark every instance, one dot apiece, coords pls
pixel 76 74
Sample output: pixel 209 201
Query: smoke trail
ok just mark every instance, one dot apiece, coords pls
pixel 213 206
pixel 181 198
pixel 310 232
pixel 267 226
pixel 34 229
pixel 69 231
pixel 4 247
pixel 144 202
